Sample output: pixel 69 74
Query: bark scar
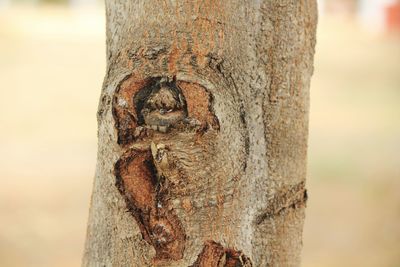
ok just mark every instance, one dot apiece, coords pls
pixel 145 193
pixel 161 104
pixel 215 255
pixel 145 112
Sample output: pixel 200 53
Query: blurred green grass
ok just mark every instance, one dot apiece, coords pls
pixel 52 62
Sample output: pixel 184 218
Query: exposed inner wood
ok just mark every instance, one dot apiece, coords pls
pixel 145 176
pixel 138 181
pixel 199 104
pixel 124 111
pixel 158 104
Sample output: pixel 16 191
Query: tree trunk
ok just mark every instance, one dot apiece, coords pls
pixel 203 125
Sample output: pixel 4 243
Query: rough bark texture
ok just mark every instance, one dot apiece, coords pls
pixel 203 125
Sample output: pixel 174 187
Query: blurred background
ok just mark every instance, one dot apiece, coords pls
pixel 52 62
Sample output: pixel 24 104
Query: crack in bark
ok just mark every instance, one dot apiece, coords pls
pixel 292 198
pixel 215 255
pixel 216 63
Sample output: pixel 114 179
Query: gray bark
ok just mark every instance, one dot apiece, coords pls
pixel 229 170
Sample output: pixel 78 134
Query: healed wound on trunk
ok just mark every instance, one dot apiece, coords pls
pixel 148 113
pixel 161 104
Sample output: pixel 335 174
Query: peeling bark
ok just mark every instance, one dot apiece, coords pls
pixel 203 125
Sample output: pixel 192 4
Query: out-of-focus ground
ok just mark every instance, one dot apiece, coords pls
pixel 52 62
pixel 353 215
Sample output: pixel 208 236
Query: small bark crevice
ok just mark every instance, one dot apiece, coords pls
pixel 215 255
pixel 292 198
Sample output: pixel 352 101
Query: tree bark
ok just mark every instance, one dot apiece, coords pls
pixel 202 127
